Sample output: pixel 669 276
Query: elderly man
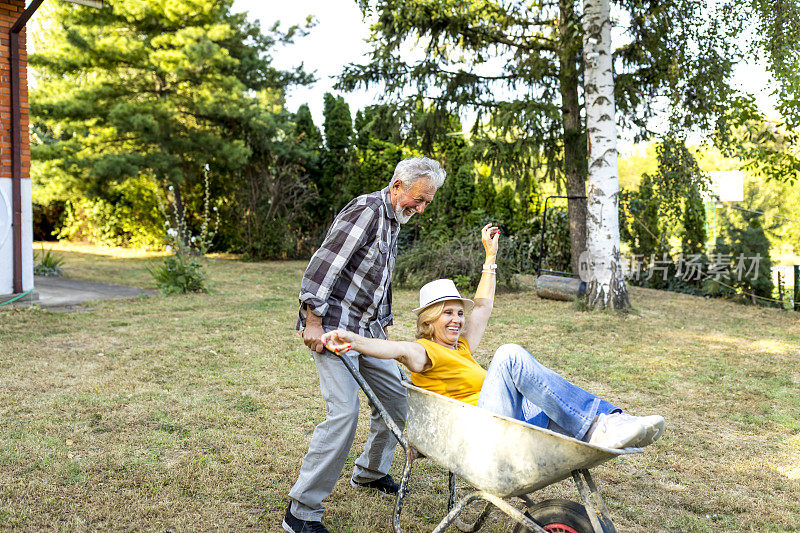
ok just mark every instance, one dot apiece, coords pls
pixel 348 285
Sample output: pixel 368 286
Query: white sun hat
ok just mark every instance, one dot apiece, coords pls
pixel 440 290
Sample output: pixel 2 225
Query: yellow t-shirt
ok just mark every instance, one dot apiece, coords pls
pixel 454 373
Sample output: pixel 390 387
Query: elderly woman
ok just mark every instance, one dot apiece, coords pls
pixel 516 384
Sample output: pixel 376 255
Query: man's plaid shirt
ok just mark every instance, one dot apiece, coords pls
pixel 348 281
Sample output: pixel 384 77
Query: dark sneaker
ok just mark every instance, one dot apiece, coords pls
pixel 384 484
pixel 292 524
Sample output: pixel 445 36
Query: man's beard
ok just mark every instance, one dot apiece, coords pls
pixel 401 217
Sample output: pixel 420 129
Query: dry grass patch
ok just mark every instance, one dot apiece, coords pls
pixel 194 412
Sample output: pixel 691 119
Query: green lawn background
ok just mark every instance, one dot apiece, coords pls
pixel 194 412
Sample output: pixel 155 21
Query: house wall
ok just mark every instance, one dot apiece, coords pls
pixel 10 10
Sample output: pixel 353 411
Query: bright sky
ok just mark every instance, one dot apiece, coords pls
pixel 336 40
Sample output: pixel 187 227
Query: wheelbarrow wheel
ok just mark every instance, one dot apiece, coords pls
pixel 558 516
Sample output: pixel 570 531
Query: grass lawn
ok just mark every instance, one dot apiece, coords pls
pixel 194 412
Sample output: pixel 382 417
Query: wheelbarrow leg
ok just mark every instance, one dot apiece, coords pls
pixel 595 508
pixel 528 500
pixel 411 455
pixel 455 511
pixel 451 501
pixel 451 484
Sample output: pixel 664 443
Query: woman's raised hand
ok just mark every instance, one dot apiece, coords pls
pixel 490 236
pixel 338 340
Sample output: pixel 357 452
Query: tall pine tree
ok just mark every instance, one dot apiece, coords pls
pixel 154 89
pixel 338 126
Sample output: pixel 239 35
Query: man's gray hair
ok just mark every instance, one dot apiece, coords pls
pixel 410 170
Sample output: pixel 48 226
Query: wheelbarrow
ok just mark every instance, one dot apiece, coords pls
pixel 500 457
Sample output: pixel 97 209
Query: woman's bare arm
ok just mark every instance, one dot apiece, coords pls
pixel 411 354
pixel 484 295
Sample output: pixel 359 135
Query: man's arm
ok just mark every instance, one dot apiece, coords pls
pixel 313 331
pixel 353 227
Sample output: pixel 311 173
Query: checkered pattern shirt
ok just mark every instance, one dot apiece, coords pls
pixel 348 281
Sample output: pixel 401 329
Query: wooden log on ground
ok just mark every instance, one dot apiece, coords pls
pixel 560 288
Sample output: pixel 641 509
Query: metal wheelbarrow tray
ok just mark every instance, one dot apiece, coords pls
pixel 499 456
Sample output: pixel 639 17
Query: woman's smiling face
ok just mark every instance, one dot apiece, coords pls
pixel 448 326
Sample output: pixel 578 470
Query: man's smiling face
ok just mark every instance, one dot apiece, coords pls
pixel 415 199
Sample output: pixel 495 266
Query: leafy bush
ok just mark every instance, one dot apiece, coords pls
pixel 48 264
pixel 693 235
pixel 520 253
pixel 127 216
pixel 273 210
pixel 664 272
pixel 639 220
pixel 436 254
pixel 47 219
pixel 741 244
pixel 430 259
pixel 179 274
pixel 458 258
pixel 182 272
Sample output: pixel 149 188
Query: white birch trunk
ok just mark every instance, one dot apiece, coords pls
pixel 604 278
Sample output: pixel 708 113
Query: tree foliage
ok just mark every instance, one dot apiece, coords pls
pixel 767 147
pixel 501 60
pixel 518 67
pixel 276 203
pixel 693 232
pixel 151 88
pixel 678 178
pixel 639 222
pixel 667 203
pixel 744 237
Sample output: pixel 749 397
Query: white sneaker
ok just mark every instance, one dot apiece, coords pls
pixel 616 431
pixel 653 427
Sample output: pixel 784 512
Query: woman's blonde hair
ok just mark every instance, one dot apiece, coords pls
pixel 427 317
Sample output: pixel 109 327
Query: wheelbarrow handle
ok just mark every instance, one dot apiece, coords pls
pixel 372 398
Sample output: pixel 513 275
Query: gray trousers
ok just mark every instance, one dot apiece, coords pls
pixel 333 438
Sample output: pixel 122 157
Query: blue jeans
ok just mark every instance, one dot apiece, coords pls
pixel 518 386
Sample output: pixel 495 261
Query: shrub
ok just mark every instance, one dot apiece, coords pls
pixel 182 272
pixel 520 254
pixel 458 258
pixel 128 216
pixel 179 274
pixel 273 205
pixel 639 219
pixel 664 272
pixel 693 235
pixel 48 264
pixel 47 219
pixel 744 236
pixel 741 245
pixel 430 259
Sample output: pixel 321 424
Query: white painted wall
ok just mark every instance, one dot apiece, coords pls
pixel 7 238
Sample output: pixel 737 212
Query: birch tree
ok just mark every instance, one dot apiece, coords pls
pixel 601 261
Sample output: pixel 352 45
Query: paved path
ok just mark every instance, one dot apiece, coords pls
pixel 64 292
